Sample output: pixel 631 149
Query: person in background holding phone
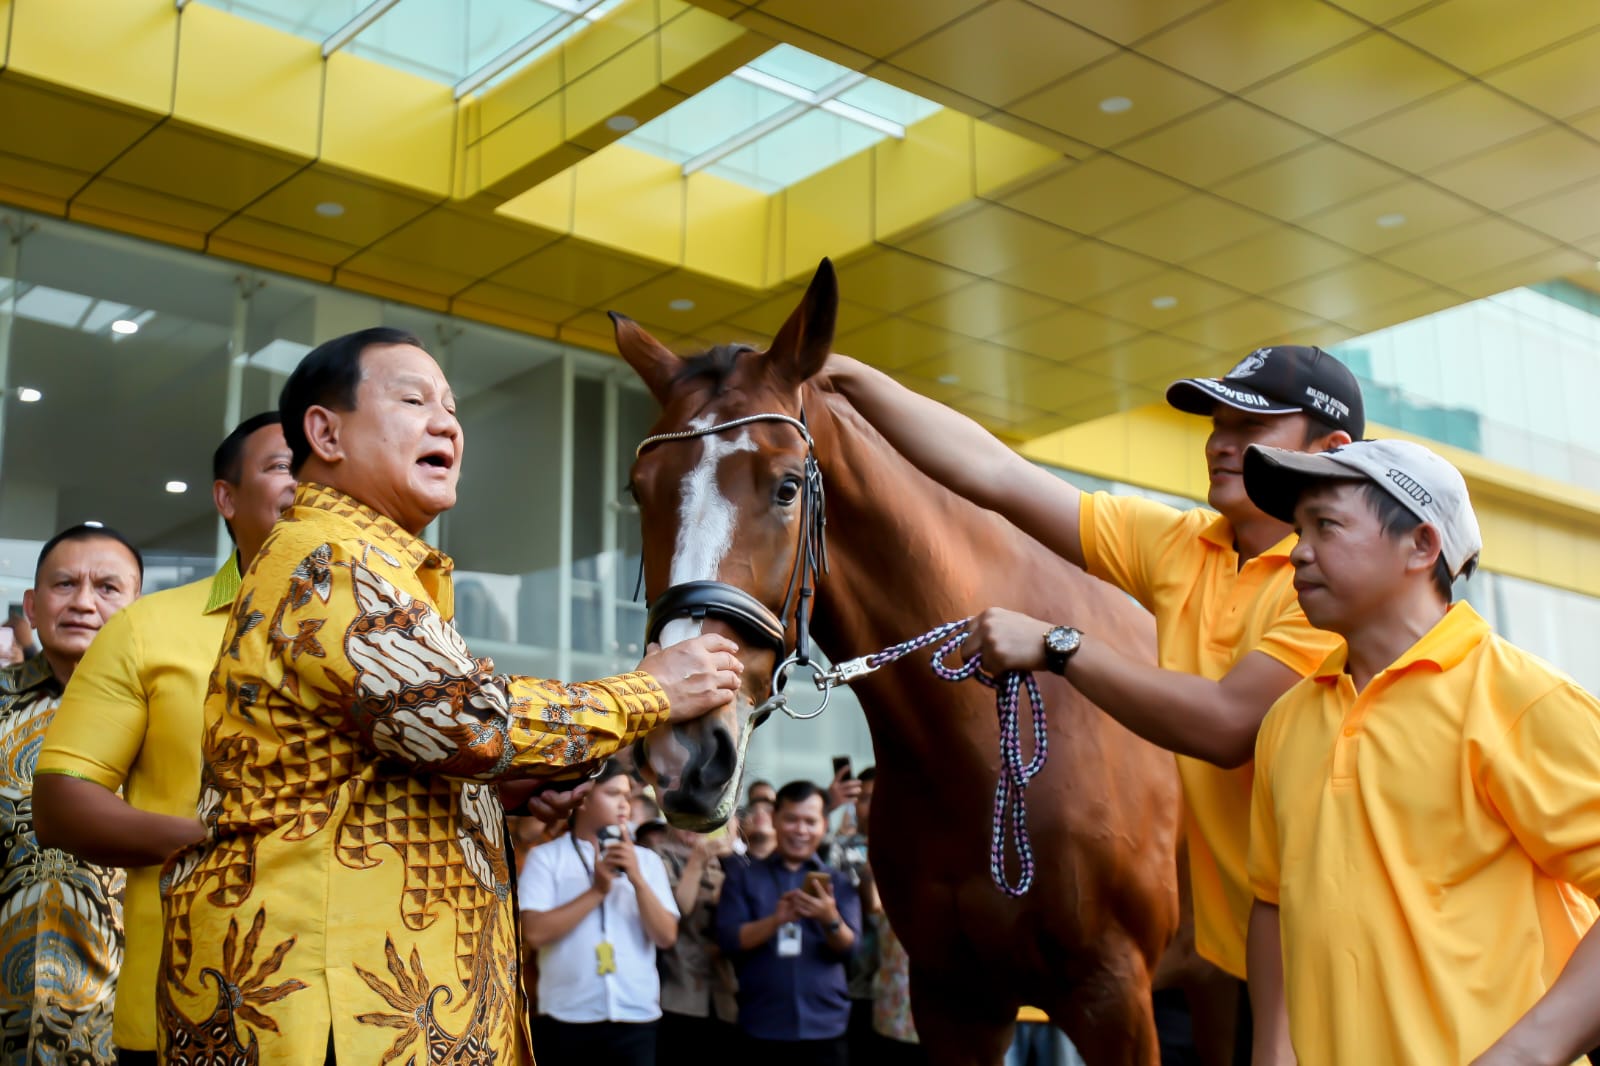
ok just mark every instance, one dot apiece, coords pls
pixel 596 908
pixel 698 1004
pixel 789 922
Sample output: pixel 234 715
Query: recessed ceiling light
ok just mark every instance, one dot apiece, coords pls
pixel 27 395
pixel 1391 220
pixel 622 123
pixel 681 304
pixel 127 327
pixel 949 379
pixel 1162 303
pixel 329 209
pixel 1115 105
pixel 176 487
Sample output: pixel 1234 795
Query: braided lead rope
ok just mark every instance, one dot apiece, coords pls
pixel 1010 802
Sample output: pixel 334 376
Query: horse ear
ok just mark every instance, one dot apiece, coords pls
pixel 803 344
pixel 650 359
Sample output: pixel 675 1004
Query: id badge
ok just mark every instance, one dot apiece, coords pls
pixel 605 959
pixel 789 940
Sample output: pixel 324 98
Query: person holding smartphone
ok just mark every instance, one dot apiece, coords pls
pixel 790 922
pixel 596 908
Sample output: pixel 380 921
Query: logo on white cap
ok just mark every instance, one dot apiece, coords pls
pixel 1410 486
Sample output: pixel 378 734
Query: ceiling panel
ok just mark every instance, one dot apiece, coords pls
pixel 880 37
pixel 1523 170
pixel 1219 142
pixel 679 301
pixel 1478 35
pixel 1419 209
pixel 1066 333
pixel 1348 290
pixel 1319 177
pixel 982 309
pixel 201 168
pixel 1448 256
pixel 369 211
pixel 1271 259
pixel 1567 215
pixel 1380 313
pixel 1038 48
pixel 896 342
pixel 1127 20
pixel 455 240
pixel 1341 90
pixel 1560 81
pixel 1241 326
pixel 63 130
pixel 1188 228
pixel 1457 122
pixel 1082 270
pixel 1096 193
pixel 987 240
pixel 1151 357
pixel 576 273
pixel 1072 105
pixel 892 281
pixel 1240 42
pixel 1149 301
pixel 982 367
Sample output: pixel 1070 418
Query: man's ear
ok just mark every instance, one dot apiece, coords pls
pixel 323 426
pixel 222 496
pixel 27 607
pixel 1337 438
pixel 1426 546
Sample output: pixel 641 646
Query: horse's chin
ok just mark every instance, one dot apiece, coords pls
pixel 704 810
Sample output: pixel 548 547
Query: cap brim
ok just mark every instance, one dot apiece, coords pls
pixel 1200 396
pixel 1274 478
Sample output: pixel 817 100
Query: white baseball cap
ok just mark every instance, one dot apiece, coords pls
pixel 1425 484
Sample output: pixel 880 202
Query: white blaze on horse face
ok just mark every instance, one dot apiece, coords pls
pixel 705 522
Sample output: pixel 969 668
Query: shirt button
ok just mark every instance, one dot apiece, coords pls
pixel 1349 730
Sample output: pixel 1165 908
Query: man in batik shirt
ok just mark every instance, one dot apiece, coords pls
pixel 352 899
pixel 60 919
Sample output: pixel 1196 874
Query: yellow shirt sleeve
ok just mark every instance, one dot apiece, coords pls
pixel 100 726
pixel 1122 537
pixel 1291 638
pixel 345 638
pixel 1544 779
pixel 1263 865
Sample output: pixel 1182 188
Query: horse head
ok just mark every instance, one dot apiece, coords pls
pixel 726 515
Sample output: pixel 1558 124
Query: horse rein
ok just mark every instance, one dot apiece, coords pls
pixel 702 599
pixel 699 600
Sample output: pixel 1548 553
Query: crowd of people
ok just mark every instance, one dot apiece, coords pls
pixel 264 817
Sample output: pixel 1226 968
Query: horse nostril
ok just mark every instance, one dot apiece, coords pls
pixel 718 767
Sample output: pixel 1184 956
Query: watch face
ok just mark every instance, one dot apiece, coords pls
pixel 1062 639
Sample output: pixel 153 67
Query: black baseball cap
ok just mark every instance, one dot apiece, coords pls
pixel 1282 380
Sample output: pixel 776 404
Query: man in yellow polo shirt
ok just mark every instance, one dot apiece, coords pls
pixel 130 722
pixel 1426 822
pixel 1231 638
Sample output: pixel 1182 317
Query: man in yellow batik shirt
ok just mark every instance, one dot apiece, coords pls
pixel 120 768
pixel 352 899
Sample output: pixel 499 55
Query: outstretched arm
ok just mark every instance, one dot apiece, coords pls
pixel 1212 720
pixel 961 455
pixel 86 819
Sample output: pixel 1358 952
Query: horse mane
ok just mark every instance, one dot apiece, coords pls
pixel 715 364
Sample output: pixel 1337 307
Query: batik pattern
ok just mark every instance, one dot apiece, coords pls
pixel 60 919
pixel 351 742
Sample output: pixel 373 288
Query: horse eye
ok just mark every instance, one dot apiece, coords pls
pixel 788 490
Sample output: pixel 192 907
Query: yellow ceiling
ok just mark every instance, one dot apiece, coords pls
pixel 1027 256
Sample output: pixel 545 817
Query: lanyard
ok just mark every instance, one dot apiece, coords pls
pixel 587 869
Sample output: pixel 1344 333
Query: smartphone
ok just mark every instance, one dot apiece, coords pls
pixel 817 883
pixel 842 762
pixel 606 835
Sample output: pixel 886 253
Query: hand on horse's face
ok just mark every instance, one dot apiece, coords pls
pixel 1007 640
pixel 699 675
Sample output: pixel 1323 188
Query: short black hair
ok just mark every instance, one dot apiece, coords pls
pixel 798 792
pixel 227 462
pixel 328 377
pixel 752 786
pixel 1396 520
pixel 869 774
pixel 1316 429
pixel 85 531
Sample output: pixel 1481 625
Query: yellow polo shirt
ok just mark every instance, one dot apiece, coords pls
pixel 130 720
pixel 1210 612
pixel 1432 842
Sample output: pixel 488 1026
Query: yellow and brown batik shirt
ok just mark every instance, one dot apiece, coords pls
pixel 355 878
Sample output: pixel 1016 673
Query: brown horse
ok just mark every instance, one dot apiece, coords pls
pixel 728 506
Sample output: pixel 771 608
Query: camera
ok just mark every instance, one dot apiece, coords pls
pixel 607 835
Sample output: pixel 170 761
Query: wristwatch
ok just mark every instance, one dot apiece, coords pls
pixel 1059 644
pixel 833 926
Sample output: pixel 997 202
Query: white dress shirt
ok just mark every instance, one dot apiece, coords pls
pixel 570 989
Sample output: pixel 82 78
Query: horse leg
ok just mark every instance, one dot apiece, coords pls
pixel 1107 1013
pixel 956 1025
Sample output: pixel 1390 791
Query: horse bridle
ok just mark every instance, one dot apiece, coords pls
pixel 700 600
